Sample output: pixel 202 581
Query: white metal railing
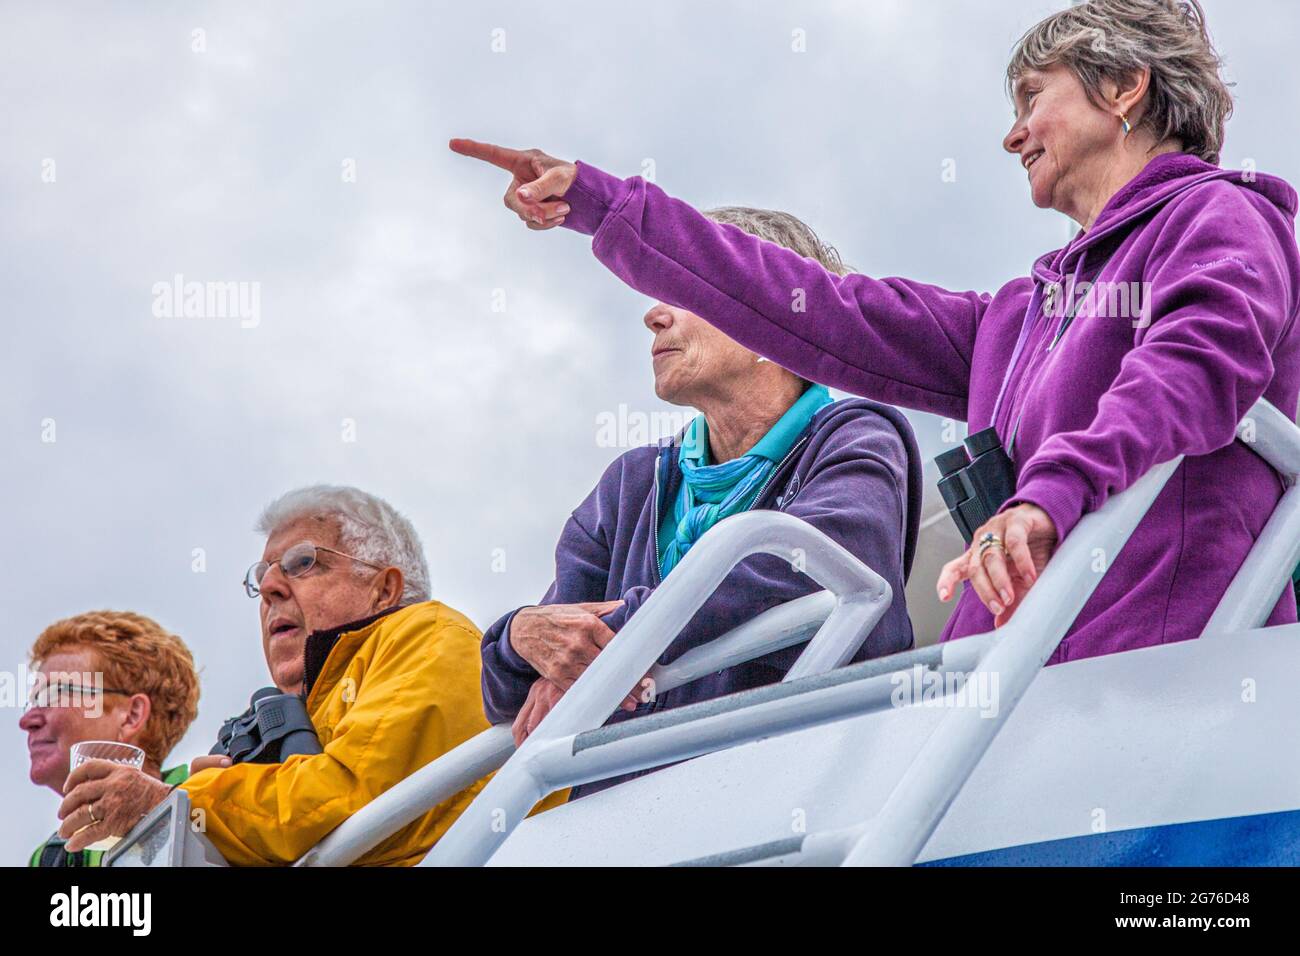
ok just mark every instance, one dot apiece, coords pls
pixel 899 832
pixel 775 629
pixel 413 797
pixel 1255 588
pixel 1014 652
pixel 571 747
pixel 861 597
pixel 566 755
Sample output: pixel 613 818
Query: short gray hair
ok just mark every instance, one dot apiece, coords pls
pixel 1111 39
pixel 369 528
pixel 783 229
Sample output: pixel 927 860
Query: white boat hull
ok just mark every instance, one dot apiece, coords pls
pixel 1113 751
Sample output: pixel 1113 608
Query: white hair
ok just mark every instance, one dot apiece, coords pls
pixel 369 528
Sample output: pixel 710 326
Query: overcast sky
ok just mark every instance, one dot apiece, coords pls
pixel 302 147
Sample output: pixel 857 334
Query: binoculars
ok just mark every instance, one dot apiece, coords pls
pixel 275 727
pixel 975 479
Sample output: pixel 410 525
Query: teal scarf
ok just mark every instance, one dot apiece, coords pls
pixel 710 493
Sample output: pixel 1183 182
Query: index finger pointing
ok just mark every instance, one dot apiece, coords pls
pixel 507 159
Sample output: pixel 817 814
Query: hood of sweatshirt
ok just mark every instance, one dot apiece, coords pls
pixel 1163 179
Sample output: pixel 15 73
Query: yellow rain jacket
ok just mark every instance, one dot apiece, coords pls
pixel 390 696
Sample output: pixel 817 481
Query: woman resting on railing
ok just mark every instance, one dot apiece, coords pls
pixel 764 440
pixel 1119 122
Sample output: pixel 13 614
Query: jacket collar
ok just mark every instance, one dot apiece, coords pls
pixel 670 476
pixel 320 643
pixel 1162 179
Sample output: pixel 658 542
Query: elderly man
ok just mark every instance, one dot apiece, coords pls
pixel 105 676
pixel 766 439
pixel 390 680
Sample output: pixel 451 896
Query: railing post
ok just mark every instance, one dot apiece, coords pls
pixel 899 832
pixel 1266 570
pixel 859 591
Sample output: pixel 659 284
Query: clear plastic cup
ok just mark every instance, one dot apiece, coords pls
pixel 127 754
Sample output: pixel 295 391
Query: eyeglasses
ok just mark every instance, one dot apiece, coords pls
pixel 295 562
pixel 66 695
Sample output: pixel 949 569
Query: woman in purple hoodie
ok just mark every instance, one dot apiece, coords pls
pixel 1120 113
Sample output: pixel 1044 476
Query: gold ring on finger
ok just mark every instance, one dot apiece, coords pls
pixel 988 541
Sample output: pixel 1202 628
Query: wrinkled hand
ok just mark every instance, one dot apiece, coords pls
pixel 544 695
pixel 120 795
pixel 1002 579
pixel 538 182
pixel 561 640
pixel 207 761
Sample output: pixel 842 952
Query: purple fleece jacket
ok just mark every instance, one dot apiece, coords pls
pixel 1216 250
pixel 854 473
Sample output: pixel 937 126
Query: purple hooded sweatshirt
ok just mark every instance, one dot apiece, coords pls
pixel 854 473
pixel 1215 257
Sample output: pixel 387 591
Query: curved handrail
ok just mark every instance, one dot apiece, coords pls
pixel 898 833
pixel 1266 570
pixel 861 598
pixel 775 629
pixel 1008 658
pixel 408 800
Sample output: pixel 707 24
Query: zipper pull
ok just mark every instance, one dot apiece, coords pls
pixel 1049 298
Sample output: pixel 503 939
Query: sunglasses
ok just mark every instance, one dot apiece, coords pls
pixel 295 562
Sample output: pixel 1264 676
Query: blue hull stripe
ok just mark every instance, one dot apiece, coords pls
pixel 1265 839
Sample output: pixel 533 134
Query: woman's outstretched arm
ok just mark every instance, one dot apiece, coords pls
pixel 894 340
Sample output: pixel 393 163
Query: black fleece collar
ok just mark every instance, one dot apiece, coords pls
pixel 320 643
